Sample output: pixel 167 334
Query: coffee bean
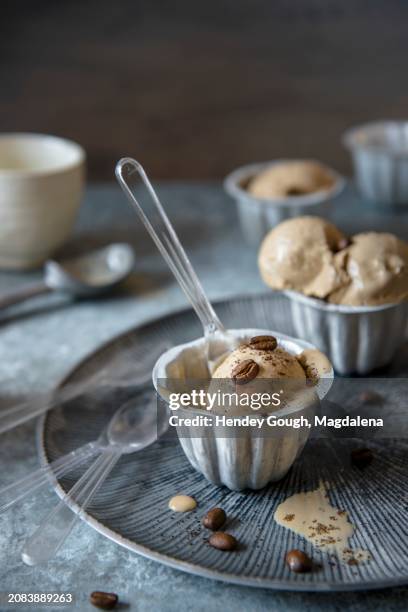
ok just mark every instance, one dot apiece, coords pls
pixel 361 457
pixel 370 397
pixel 105 601
pixel 299 561
pixel 263 343
pixel 245 371
pixel 223 541
pixel 214 519
pixel 295 191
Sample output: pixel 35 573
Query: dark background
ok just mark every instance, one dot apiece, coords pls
pixel 193 88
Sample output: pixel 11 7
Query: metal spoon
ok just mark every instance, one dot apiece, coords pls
pixel 83 276
pixel 131 429
pixel 218 340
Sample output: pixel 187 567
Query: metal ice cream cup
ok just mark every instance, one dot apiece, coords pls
pixel 380 157
pixel 356 339
pixel 257 216
pixel 251 458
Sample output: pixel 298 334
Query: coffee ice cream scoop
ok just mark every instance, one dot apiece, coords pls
pixel 299 254
pixel 262 357
pixel 311 256
pixel 376 265
pixel 261 366
pixel 248 362
pixel 290 178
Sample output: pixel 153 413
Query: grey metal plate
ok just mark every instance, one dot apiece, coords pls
pixel 131 508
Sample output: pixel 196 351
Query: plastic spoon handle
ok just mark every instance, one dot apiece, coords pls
pixel 166 240
pixel 20 413
pixel 20 489
pixel 16 415
pixel 57 525
pixel 25 293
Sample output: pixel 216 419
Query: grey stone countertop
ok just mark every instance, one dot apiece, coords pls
pixel 41 340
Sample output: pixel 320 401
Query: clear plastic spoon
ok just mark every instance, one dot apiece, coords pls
pixel 135 372
pixel 132 429
pixel 165 238
pixel 19 490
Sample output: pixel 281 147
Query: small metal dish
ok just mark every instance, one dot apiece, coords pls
pixel 379 152
pixel 356 339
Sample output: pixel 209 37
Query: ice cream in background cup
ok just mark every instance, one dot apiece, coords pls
pixel 348 295
pixel 267 193
pixel 292 178
pixel 246 457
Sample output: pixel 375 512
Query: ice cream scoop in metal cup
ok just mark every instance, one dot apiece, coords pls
pixel 358 313
pixel 244 457
pixel 257 216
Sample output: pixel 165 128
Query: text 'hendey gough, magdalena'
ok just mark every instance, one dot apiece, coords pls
pixel 272 421
pixel 254 401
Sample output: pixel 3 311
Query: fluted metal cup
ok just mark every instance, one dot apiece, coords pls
pixel 257 216
pixel 243 457
pixel 356 339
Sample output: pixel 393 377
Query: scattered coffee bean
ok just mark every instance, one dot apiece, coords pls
pixel 361 457
pixel 105 601
pixel 263 343
pixel 223 541
pixel 370 397
pixel 245 371
pixel 299 561
pixel 214 519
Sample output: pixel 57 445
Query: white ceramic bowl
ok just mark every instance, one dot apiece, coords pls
pixel 41 183
pixel 380 157
pixel 247 458
pixel 257 216
pixel 356 339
